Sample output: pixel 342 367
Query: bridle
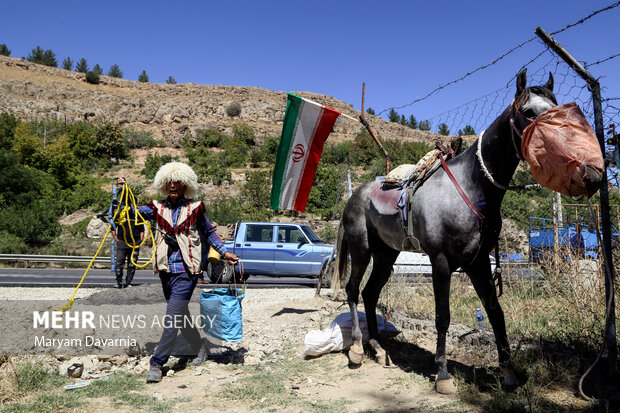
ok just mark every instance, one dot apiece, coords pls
pixel 513 131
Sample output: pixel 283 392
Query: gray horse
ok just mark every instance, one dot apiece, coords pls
pixel 446 227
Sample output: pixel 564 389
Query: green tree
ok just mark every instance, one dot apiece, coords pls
pixel 110 143
pixel 143 77
pixel 413 122
pixel 82 141
pixel 467 130
pixel 115 71
pixel 81 66
pixel 393 116
pixel 27 145
pixel 67 63
pixel 443 129
pixel 403 120
pixel 370 111
pixel 97 69
pixel 8 123
pixel 60 162
pixel 325 191
pixel 42 57
pixel 424 125
pixel 30 202
pixel 4 50
pixel 245 133
pixel 171 80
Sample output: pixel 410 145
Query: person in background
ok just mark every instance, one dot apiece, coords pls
pixel 179 222
pixel 123 233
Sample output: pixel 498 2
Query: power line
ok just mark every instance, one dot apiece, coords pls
pixel 581 21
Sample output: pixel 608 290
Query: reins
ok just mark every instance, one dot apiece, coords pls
pixel 450 152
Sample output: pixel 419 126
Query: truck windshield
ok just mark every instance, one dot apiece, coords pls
pixel 313 238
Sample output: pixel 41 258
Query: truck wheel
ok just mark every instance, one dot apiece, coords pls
pixel 220 273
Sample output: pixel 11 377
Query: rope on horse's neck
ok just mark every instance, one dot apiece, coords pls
pixel 487 173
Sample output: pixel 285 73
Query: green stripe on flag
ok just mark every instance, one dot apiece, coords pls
pixel 293 109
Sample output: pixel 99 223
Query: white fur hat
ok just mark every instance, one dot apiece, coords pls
pixel 176 172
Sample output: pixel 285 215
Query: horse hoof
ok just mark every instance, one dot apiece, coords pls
pixel 510 381
pixel 356 353
pixel 445 386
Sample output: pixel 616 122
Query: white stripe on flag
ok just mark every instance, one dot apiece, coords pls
pixel 310 113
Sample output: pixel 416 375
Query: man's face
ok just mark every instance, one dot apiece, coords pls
pixel 175 190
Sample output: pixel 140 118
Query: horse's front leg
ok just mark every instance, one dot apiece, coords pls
pixel 441 287
pixel 359 263
pixel 481 278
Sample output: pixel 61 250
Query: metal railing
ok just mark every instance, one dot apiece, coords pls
pixel 59 258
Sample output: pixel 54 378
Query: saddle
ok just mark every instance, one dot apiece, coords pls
pixel 394 193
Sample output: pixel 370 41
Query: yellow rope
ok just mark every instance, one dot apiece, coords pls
pixel 127 195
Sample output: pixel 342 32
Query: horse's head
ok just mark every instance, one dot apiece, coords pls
pixel 555 140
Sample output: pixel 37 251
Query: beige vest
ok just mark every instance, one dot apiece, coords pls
pixel 189 239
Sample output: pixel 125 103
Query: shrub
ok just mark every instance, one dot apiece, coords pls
pixel 234 109
pixel 153 163
pixel 92 77
pixel 210 138
pixel 12 244
pixel 225 210
pixel 244 133
pixel 86 193
pixel 140 139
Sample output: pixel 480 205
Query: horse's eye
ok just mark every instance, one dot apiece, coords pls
pixel 529 113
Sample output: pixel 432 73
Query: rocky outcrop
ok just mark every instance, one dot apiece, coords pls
pixel 169 112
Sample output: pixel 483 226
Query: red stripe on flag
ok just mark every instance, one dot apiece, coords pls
pixel 323 130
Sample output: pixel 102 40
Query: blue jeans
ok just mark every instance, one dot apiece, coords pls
pixel 178 289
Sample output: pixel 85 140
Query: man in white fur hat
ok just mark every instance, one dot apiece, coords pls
pixel 178 253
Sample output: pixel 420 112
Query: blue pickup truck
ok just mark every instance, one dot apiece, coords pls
pixel 275 248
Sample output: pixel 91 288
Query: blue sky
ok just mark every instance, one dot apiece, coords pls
pixel 401 49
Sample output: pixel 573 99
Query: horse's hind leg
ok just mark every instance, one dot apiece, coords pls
pixel 481 278
pixel 383 260
pixel 360 258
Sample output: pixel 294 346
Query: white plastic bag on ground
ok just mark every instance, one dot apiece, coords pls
pixel 337 336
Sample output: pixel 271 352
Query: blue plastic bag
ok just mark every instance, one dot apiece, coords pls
pixel 221 311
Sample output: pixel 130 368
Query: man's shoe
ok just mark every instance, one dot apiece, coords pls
pixel 202 355
pixel 154 374
pixel 202 281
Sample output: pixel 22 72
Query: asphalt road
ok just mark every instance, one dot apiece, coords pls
pixel 45 277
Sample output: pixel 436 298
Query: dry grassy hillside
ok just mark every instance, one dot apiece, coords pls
pixel 33 91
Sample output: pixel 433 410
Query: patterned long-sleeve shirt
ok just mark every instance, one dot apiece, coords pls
pixel 175 259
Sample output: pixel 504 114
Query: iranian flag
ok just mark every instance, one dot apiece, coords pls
pixel 306 127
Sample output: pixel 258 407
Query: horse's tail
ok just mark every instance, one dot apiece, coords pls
pixel 342 260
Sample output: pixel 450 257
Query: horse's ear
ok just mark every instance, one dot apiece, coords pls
pixel 549 84
pixel 521 81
